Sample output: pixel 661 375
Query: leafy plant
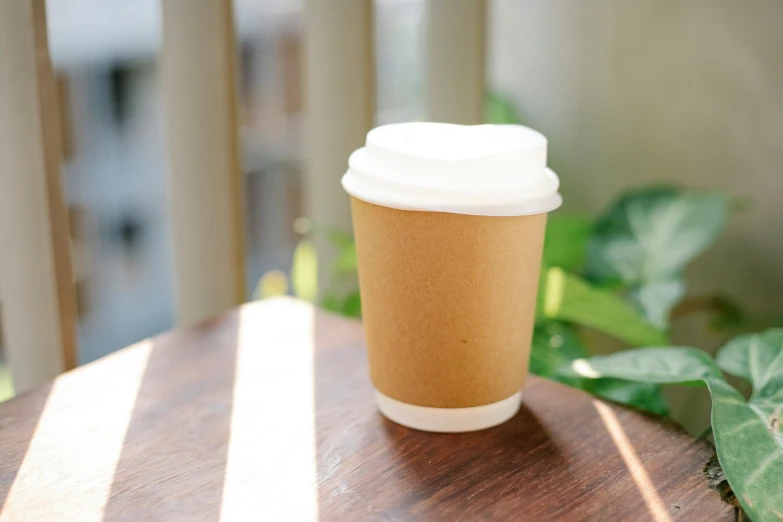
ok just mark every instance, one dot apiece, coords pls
pixel 566 241
pixel 304 277
pixel 645 240
pixel 571 301
pixel 568 297
pixel 614 276
pixel 748 434
pixel 499 109
pixel 345 302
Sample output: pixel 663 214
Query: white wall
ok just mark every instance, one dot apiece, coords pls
pixel 677 91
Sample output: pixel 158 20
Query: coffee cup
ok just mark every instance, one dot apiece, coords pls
pixel 449 223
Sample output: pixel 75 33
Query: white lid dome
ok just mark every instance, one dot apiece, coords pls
pixel 495 170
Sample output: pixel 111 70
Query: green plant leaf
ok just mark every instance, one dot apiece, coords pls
pixel 566 297
pixel 499 109
pixel 648 237
pixel 657 298
pixel 727 314
pixel 340 239
pixel 747 434
pixel 654 233
pixel 642 395
pixel 346 262
pixel 670 365
pixel 565 244
pixel 750 450
pixel 758 359
pixel 554 344
pixel 352 306
pixel 332 303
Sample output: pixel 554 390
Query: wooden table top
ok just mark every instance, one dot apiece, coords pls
pixel 267 413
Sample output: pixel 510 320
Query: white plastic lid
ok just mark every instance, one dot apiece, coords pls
pixel 489 170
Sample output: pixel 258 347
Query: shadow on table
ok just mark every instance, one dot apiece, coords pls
pixel 408 474
pixel 371 468
pixel 478 475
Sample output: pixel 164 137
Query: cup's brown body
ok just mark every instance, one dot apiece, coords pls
pixel 448 302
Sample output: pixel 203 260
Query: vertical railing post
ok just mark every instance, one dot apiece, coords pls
pixel 340 108
pixel 455 67
pixel 198 66
pixel 36 281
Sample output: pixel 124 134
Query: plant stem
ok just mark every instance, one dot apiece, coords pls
pixel 705 432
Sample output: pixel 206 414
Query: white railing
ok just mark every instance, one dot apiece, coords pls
pixel 199 84
pixel 36 282
pixel 199 79
pixel 340 104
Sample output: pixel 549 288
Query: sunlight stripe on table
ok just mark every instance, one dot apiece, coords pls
pixel 635 467
pixel 271 472
pixel 78 441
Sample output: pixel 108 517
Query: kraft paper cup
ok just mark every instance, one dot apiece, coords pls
pixel 449 223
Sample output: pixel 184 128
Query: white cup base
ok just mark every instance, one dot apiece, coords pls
pixel 448 420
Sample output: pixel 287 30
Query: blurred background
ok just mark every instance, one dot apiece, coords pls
pixel 106 59
pixel 628 94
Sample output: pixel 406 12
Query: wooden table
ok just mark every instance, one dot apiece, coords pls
pixel 267 414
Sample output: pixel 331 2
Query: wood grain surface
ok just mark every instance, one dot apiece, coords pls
pixel 267 413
